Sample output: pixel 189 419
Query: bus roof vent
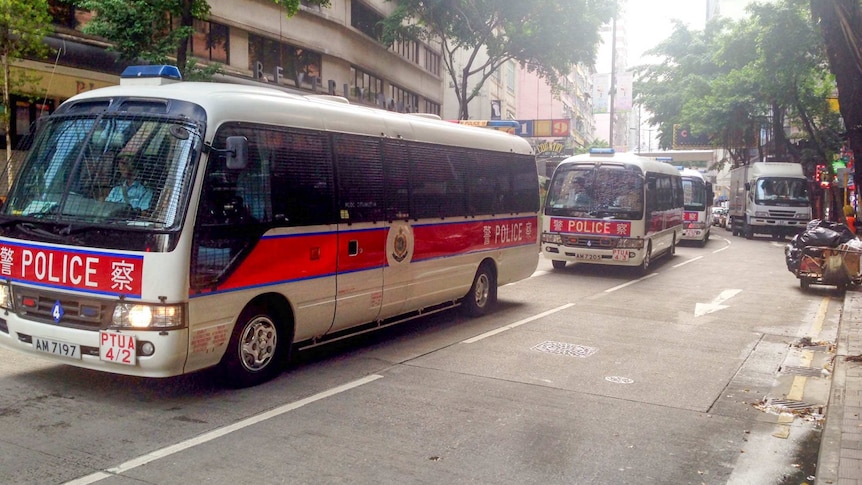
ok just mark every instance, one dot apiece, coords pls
pixel 155 75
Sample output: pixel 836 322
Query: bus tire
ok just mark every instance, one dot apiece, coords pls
pixel 644 267
pixel 483 292
pixel 257 348
pixel 558 264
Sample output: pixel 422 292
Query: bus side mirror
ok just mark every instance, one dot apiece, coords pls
pixel 237 152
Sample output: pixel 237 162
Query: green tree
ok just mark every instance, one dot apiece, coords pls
pixel 735 79
pixel 841 27
pixel 545 36
pixel 23 26
pixel 146 29
pixel 142 29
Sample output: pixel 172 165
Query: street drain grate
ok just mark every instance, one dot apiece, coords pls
pixel 562 348
pixel 790 404
pixel 801 371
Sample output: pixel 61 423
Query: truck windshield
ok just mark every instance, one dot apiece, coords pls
pixel 127 170
pixel 786 191
pixel 607 191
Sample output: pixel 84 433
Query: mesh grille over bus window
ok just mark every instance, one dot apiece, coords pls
pixel 115 169
pixel 360 178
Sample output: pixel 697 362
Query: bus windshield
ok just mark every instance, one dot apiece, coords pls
pixel 783 191
pixel 111 170
pixel 694 194
pixel 607 191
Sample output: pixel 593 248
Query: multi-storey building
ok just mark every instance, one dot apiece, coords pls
pixel 332 50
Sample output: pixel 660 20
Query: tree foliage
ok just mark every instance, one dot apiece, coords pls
pixel 291 7
pixel 840 23
pixel 545 36
pixel 23 26
pixel 737 79
pixel 143 29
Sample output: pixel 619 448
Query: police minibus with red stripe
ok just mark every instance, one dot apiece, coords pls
pixel 161 227
pixel 612 208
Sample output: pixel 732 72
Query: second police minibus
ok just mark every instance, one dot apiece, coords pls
pixel 697 202
pixel 161 227
pixel 612 208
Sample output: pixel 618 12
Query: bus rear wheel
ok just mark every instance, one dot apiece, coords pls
pixel 256 349
pixel 483 293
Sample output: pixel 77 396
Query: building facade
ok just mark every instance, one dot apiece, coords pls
pixel 332 50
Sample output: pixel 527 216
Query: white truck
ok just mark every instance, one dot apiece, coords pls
pixel 768 197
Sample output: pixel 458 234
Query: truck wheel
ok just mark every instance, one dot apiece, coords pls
pixel 256 350
pixel 804 283
pixel 558 264
pixel 747 230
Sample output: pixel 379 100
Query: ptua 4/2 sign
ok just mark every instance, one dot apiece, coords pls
pixel 544 128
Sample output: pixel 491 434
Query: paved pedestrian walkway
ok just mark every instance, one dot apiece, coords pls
pixel 840 460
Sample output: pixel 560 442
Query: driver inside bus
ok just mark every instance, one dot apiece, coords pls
pixel 130 190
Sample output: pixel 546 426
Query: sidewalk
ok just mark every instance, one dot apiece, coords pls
pixel 840 459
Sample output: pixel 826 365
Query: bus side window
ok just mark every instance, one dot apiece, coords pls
pixel 360 178
pixel 396 183
pixel 302 180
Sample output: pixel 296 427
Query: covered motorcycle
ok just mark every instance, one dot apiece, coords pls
pixel 826 253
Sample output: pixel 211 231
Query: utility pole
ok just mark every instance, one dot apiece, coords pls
pixel 613 78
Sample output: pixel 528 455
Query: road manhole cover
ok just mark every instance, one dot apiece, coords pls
pixel 562 348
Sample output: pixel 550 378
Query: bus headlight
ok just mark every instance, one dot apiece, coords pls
pixel 553 238
pixel 630 243
pixel 141 315
pixel 5 296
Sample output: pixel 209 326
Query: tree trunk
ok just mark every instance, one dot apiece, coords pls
pixel 7 119
pixel 186 20
pixel 839 24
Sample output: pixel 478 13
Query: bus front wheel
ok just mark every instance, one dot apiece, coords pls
pixel 256 349
pixel 483 293
pixel 644 267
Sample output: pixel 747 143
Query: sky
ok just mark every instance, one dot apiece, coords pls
pixel 648 22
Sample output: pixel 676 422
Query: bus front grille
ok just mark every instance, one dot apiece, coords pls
pixel 61 309
pixel 591 242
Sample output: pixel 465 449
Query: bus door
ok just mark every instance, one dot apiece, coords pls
pixel 361 231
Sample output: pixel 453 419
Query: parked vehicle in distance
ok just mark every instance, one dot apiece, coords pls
pixel 719 216
pixel 769 197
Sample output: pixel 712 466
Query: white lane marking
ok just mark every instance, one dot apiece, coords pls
pixel 687 261
pixel 217 433
pixel 516 324
pixel 620 287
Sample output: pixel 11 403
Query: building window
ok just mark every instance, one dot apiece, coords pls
pixel 25 113
pixel 273 61
pixel 408 50
pixel 510 77
pixel 366 87
pixel 403 101
pixel 210 41
pixel 432 107
pixel 432 62
pixel 365 20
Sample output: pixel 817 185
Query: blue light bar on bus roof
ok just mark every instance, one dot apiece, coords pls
pixel 601 151
pixel 154 71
